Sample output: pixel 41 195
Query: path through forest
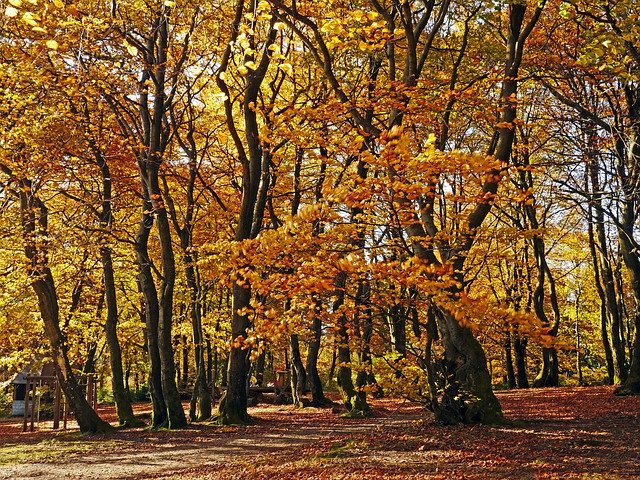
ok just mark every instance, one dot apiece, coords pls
pixel 555 433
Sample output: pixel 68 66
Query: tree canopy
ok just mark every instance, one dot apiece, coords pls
pixel 419 198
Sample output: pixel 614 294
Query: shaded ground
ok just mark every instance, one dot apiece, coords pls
pixel 582 433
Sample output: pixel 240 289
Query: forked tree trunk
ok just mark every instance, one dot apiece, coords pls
pixel 254 161
pixel 200 405
pixel 119 386
pixel 468 395
pixel 605 272
pixel 159 417
pixel 313 352
pixel 601 295
pixel 355 401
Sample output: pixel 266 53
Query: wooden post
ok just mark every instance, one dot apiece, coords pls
pixel 56 406
pixel 26 405
pixel 33 404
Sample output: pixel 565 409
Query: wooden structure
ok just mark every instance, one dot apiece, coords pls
pixel 19 383
pixel 33 399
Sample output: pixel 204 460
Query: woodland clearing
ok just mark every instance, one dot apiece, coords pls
pixel 552 433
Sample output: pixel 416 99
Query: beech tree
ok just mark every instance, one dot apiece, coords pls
pixel 602 58
pixel 390 180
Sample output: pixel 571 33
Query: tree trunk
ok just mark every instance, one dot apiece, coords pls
pixel 605 271
pixel 200 405
pixel 259 367
pixel 149 169
pixel 520 348
pixel 159 416
pixel 365 379
pixel 232 409
pixel 511 376
pixel 34 222
pixel 354 401
pixel 298 373
pixel 397 330
pixel 631 386
pixel 548 375
pixel 468 396
pixel 120 394
pixel 233 405
pixel 313 378
pixel 176 416
pixel 313 352
pixel 603 302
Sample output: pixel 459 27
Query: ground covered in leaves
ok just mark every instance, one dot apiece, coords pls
pixel 581 433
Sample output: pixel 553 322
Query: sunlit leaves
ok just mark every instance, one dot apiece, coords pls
pixel 131 49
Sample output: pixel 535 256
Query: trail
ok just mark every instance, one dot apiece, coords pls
pixel 141 454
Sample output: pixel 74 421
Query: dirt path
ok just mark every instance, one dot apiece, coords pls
pixel 581 433
pixel 142 454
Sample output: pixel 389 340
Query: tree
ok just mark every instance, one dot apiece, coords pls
pixel 610 57
pixel 465 358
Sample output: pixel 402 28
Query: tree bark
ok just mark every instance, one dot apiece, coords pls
pixel 233 405
pixel 468 395
pixel 629 175
pixel 355 401
pixel 298 372
pixel 612 308
pixel 232 409
pixel 34 222
pixel 313 378
pixel 520 349
pixel 508 358
pixel 159 415
pixel 631 386
pixel 120 394
pixel 365 379
pixel 595 262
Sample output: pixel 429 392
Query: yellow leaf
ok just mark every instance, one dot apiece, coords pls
pixel 286 68
pixel 39 29
pixel 251 64
pixel 11 12
pixel 169 3
pixel 130 48
pixel 28 18
pixel 52 44
pixel 58 3
pixel 15 3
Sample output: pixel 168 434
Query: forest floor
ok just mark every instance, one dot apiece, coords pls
pixel 577 433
